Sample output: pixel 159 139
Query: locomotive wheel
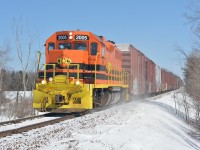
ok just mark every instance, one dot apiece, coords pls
pixel 100 100
pixel 104 99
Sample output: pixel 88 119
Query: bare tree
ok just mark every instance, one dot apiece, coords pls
pixel 192 60
pixel 193 17
pixel 175 100
pixel 196 106
pixel 185 105
pixel 4 59
pixel 22 36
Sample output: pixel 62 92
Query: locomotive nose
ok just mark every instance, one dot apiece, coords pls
pixel 65 57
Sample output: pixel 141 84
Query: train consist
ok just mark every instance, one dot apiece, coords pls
pixel 83 71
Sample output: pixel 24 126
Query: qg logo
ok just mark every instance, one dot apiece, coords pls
pixel 64 61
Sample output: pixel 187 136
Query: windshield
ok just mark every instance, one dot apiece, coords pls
pixel 80 46
pixel 65 46
pixel 68 46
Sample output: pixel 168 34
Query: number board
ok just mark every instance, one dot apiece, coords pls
pixel 62 37
pixel 81 37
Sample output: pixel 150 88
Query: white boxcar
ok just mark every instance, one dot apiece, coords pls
pixel 158 79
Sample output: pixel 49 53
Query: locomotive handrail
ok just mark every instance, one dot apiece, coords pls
pixel 124 77
pixel 39 56
pixel 78 70
pixel 95 68
pixel 45 70
pixel 54 70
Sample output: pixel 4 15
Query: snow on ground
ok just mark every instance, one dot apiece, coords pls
pixel 10 109
pixel 13 94
pixel 138 125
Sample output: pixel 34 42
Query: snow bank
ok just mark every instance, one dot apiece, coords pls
pixel 138 125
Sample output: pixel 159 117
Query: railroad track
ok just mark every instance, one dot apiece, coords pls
pixel 32 126
pixel 29 118
pixel 21 119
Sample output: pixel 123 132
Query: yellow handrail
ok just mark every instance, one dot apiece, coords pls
pixel 45 70
pixel 95 69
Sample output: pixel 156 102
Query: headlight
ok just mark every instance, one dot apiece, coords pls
pixel 70 33
pixel 44 82
pixel 70 37
pixel 77 82
pixel 50 79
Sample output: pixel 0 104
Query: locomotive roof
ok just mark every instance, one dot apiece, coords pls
pixel 125 47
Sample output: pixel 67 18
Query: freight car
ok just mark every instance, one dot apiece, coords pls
pixel 146 77
pixel 169 81
pixel 82 71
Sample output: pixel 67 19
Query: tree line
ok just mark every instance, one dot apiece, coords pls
pixel 192 65
pixel 191 69
pixel 13 80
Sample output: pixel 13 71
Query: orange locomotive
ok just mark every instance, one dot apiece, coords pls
pixel 82 71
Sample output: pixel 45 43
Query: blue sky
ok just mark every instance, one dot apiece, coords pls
pixel 154 27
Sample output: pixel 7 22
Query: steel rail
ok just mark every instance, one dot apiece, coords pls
pixel 33 126
pixel 22 119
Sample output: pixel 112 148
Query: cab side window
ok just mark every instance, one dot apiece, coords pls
pixel 51 46
pixel 94 48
